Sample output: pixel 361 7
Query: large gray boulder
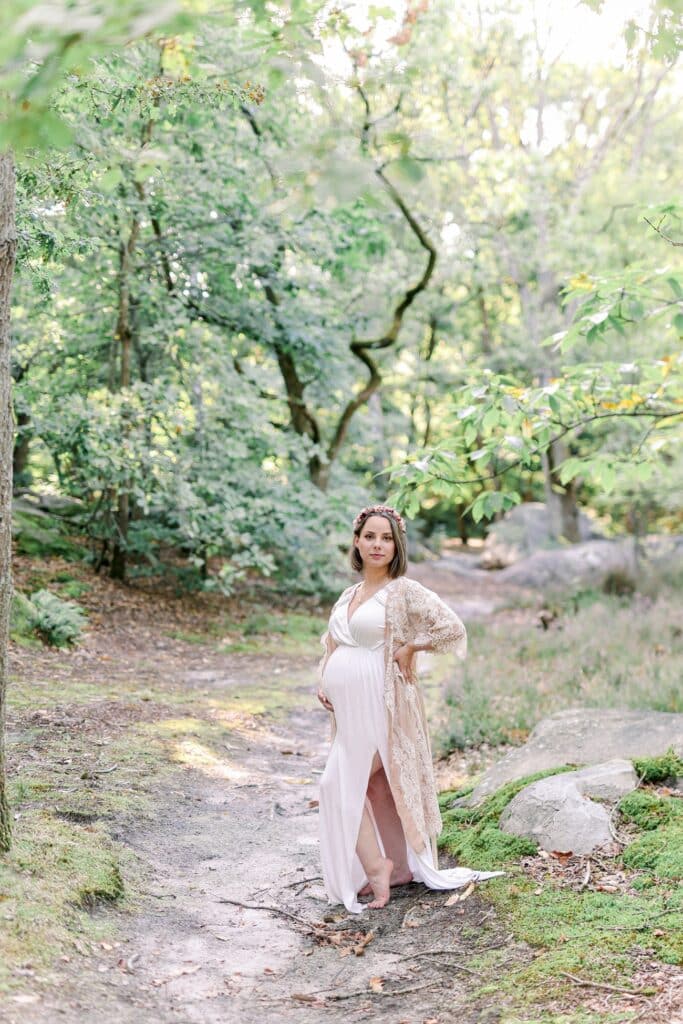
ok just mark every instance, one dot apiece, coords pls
pixel 584 736
pixel 524 530
pixel 557 814
pixel 587 564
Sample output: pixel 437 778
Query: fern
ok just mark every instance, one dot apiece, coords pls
pixel 58 623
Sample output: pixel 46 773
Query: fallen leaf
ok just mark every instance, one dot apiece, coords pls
pixel 304 997
pixel 178 974
pixel 460 897
pixel 359 948
pixel 562 855
pixel 376 984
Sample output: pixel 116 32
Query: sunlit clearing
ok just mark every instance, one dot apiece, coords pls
pixel 196 755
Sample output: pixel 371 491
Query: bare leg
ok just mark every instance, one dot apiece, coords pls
pixel 376 867
pixel 390 829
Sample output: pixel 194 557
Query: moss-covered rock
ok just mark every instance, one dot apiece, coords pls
pixel 471 833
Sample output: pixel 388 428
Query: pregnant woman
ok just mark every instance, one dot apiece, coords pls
pixel 379 815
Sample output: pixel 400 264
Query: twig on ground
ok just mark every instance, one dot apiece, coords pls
pixel 339 996
pixel 436 952
pixel 311 927
pixel 643 926
pixel 603 984
pixel 303 881
pixel 393 992
pixel 587 876
pixel 103 771
pixel 612 827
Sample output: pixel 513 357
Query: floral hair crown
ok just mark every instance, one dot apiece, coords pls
pixel 379 510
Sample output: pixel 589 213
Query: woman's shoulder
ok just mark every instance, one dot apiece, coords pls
pixel 345 593
pixel 412 586
pixel 417 593
pixel 406 587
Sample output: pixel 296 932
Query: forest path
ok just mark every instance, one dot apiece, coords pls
pixel 234 819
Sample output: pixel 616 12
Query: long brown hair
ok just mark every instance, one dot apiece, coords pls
pixel 399 563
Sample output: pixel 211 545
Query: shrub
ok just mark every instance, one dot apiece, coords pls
pixel 58 623
pixel 659 769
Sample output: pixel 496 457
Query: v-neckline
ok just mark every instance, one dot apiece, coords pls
pixel 349 618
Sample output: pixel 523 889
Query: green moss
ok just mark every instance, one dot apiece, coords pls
pixel 648 810
pixel 55 872
pixel 589 934
pixel 659 769
pixel 659 851
pixel 105 885
pixel 40 535
pixel 471 833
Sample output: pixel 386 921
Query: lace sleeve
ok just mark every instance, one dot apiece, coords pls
pixel 436 624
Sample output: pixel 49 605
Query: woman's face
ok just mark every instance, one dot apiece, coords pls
pixel 375 543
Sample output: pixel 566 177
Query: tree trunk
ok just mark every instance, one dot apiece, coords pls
pixel 22 448
pixel 124 338
pixel 8 247
pixel 560 500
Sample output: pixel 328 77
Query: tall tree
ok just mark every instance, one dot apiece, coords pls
pixel 8 245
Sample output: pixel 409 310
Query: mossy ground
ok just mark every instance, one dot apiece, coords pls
pixel 56 873
pixel 585 931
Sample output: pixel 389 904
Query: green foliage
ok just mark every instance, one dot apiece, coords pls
pixel 659 769
pixel 254 234
pixel 40 536
pixel 58 623
pixel 22 619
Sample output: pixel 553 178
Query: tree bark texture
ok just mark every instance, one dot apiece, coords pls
pixel 124 340
pixel 8 248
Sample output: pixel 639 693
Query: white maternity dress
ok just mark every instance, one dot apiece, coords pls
pixel 353 681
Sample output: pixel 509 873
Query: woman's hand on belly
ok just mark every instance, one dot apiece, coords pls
pixel 324 700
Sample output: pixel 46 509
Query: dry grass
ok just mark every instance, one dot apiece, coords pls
pixel 598 651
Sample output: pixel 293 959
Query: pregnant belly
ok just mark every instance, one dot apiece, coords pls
pixel 353 667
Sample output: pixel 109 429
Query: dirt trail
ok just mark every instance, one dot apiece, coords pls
pixel 244 829
pixel 190 957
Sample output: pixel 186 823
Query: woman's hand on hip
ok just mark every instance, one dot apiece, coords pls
pixel 403 656
pixel 324 700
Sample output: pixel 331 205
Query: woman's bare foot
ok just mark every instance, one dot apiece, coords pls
pixel 380 882
pixel 397 878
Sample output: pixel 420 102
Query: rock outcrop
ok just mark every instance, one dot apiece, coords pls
pixel 585 736
pixel 557 813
